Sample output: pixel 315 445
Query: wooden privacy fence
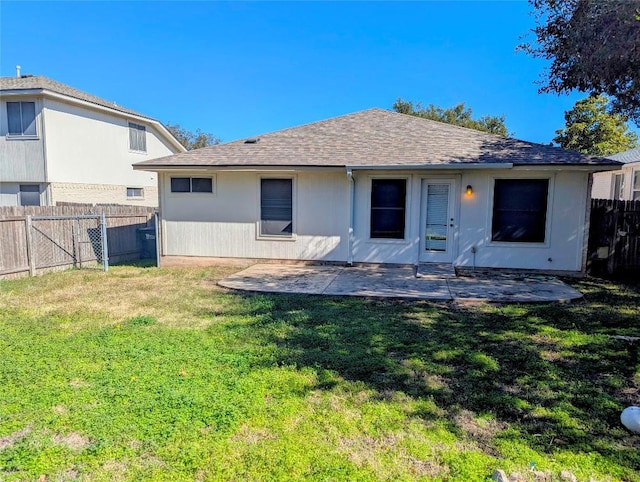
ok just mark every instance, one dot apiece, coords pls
pixel 37 239
pixel 614 238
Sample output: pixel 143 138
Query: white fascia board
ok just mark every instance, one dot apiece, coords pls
pixel 156 168
pixel 569 167
pixel 449 167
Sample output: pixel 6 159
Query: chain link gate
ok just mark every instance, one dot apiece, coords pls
pixel 67 241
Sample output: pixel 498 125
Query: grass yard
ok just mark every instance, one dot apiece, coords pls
pixel 158 374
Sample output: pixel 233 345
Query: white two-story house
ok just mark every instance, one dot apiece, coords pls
pixel 623 184
pixel 59 144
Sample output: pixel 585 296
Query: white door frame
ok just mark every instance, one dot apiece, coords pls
pixel 453 212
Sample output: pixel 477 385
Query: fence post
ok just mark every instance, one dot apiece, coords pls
pixel 105 248
pixel 156 221
pixel 30 253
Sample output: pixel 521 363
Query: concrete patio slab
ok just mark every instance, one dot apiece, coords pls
pixel 387 283
pixel 399 282
pixel 503 289
pixel 274 278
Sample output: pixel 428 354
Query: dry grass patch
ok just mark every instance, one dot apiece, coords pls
pixel 386 458
pixel 10 440
pixel 74 441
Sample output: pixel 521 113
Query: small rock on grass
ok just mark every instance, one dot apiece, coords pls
pixel 499 476
pixel 568 476
pixel 542 476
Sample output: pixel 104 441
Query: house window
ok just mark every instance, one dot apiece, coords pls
pixel 635 192
pixel 388 205
pixel 192 184
pixel 520 210
pixel 137 137
pixel 135 192
pixel 276 207
pixel 21 117
pixel 618 186
pixel 29 195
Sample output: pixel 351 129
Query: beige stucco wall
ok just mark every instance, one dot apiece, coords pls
pixel 100 194
pixel 472 221
pixel 225 224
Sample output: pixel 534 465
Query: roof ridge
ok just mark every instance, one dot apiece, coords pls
pixel 307 124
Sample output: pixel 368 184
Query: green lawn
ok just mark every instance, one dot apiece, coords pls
pixel 158 374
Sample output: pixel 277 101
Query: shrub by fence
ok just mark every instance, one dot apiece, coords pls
pixel 614 238
pixel 36 239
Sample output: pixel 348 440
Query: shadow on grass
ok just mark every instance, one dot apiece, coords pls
pixel 549 372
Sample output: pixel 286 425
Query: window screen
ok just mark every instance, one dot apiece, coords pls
pixel 191 184
pixel 180 184
pixel 388 199
pixel 29 195
pixel 201 184
pixel 135 192
pixel 21 117
pixel 276 207
pixel 137 137
pixel 520 210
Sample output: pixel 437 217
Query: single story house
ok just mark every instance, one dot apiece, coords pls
pixel 379 187
pixel 623 184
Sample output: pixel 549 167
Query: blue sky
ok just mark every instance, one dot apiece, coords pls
pixel 240 69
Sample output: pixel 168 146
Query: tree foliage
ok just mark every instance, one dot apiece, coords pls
pixel 593 46
pixel 190 139
pixel 460 115
pixel 590 129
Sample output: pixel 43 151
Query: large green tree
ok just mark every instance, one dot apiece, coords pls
pixel 593 46
pixel 460 115
pixel 590 129
pixel 190 139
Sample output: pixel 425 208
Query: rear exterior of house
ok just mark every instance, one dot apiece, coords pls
pixel 623 184
pixel 379 187
pixel 59 144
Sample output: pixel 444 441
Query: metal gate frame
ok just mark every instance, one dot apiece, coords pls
pixel 75 255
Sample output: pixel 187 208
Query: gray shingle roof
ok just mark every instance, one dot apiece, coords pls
pixel 632 155
pixel 37 82
pixel 375 137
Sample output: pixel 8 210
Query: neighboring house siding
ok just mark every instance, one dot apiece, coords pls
pixel 21 158
pixel 101 194
pixel 225 223
pixel 10 194
pixel 89 147
pixel 604 182
pixel 602 185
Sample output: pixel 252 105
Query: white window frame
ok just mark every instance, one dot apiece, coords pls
pixel 20 191
pixel 407 210
pixel 35 119
pixel 190 193
pixel 635 189
pixel 547 229
pixel 141 196
pixel 137 128
pixel 620 193
pixel 294 208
